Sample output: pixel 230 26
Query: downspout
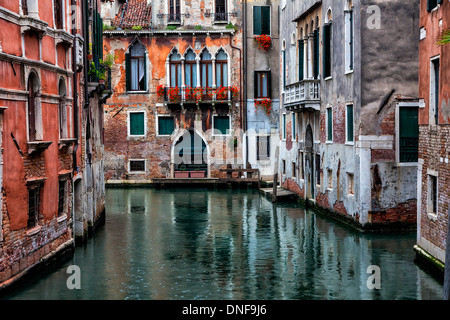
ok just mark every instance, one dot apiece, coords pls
pixel 75 89
pixel 244 10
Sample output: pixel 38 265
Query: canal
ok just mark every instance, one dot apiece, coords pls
pixel 228 244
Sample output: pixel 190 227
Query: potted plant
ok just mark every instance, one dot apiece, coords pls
pixel 265 104
pixel 264 42
pixel 160 91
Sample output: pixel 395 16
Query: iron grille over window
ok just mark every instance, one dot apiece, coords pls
pixel 137 165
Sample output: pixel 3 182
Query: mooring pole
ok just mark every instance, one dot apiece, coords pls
pixel 447 261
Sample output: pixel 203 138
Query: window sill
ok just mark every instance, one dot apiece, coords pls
pixel 432 216
pixel 349 143
pixel 407 164
pixel 347 72
pixel 138 92
pixel 33 231
pixel 137 137
pixel 137 172
pixel 62 218
pixel 38 146
pixel 328 78
pixel 329 142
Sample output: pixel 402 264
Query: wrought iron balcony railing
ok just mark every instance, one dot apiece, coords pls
pixel 221 16
pixel 302 92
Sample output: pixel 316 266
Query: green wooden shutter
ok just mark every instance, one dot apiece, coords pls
pixel 350 123
pixel 265 22
pixel 316 54
pixel 294 133
pixel 137 124
pixel 165 125
pixel 409 134
pixel 222 123
pixel 301 60
pixel 128 71
pixel 330 124
pixel 257 16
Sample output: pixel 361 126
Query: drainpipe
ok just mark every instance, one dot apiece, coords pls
pixel 75 88
pixel 244 10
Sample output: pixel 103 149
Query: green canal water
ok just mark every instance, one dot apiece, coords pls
pixel 230 245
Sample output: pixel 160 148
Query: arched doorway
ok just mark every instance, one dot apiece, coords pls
pixel 309 163
pixel 190 155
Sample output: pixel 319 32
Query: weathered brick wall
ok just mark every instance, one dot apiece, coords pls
pixel 434 148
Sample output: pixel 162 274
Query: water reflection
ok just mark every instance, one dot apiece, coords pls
pixel 199 244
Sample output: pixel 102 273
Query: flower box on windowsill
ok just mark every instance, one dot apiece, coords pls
pixel 197 174
pixel 38 146
pixel 181 174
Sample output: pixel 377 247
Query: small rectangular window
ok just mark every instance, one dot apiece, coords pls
pixel 294 127
pixel 350 135
pixel 262 84
pixel 58 11
pixel 62 196
pixel 33 206
pixel 294 171
pixel 318 169
pixel 221 125
pixel 432 194
pixel 327 44
pixel 350 184
pixel 330 178
pixel 263 147
pixel 300 166
pixel 284 126
pixel 284 166
pixel 432 4
pixel 329 124
pixel 165 126
pixel 137 165
pixel 137 123
pixel 434 91
pixel 409 134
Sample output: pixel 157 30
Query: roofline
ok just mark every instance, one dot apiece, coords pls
pixel 308 11
pixel 166 32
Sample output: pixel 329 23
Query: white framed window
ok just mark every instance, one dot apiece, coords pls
pixel 294 126
pixel 350 184
pixel 329 124
pixel 432 194
pixel 349 36
pixel 261 20
pixel 434 90
pixel 349 124
pixel 330 178
pixel 137 166
pixel 137 121
pixel 284 127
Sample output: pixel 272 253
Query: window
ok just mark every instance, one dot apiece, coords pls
pixel 317 167
pixel 175 70
pixel 62 110
pixel 165 126
pixel 58 12
pixel 284 126
pixel 316 54
pixel 301 169
pixel 33 205
pixel 24 7
pixel 327 44
pixel 409 134
pixel 221 125
pixel 349 36
pixel 284 68
pixel 294 127
pixel 137 166
pixel 174 11
pixel 190 66
pixel 294 171
pixel 221 11
pixel 136 123
pixel 283 166
pixel 350 184
pixel 34 111
pixel 136 70
pixel 221 69
pixel 62 196
pixel 349 127
pixel 330 179
pixel 262 147
pixel 261 20
pixel 301 60
pixel 262 84
pixel 434 91
pixel 206 76
pixel 432 194
pixel 432 4
pixel 329 124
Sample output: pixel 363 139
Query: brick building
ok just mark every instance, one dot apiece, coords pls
pixel 434 127
pixel 176 80
pixel 348 121
pixel 51 157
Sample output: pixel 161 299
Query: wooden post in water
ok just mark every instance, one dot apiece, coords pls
pixel 275 176
pixel 447 261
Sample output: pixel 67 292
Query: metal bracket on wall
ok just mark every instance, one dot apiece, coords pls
pixel 17 145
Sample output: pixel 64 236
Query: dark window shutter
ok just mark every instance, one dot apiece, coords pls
pixel 255 83
pixel 222 123
pixel 257 16
pixel 265 22
pixel 269 84
pixel 351 40
pixel 316 53
pixel 301 60
pixel 350 123
pixel 409 134
pixel 145 73
pixel 137 123
pixel 327 50
pixel 330 124
pixel 165 125
pixel 128 71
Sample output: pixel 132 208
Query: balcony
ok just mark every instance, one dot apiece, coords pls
pixel 177 95
pixel 302 95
